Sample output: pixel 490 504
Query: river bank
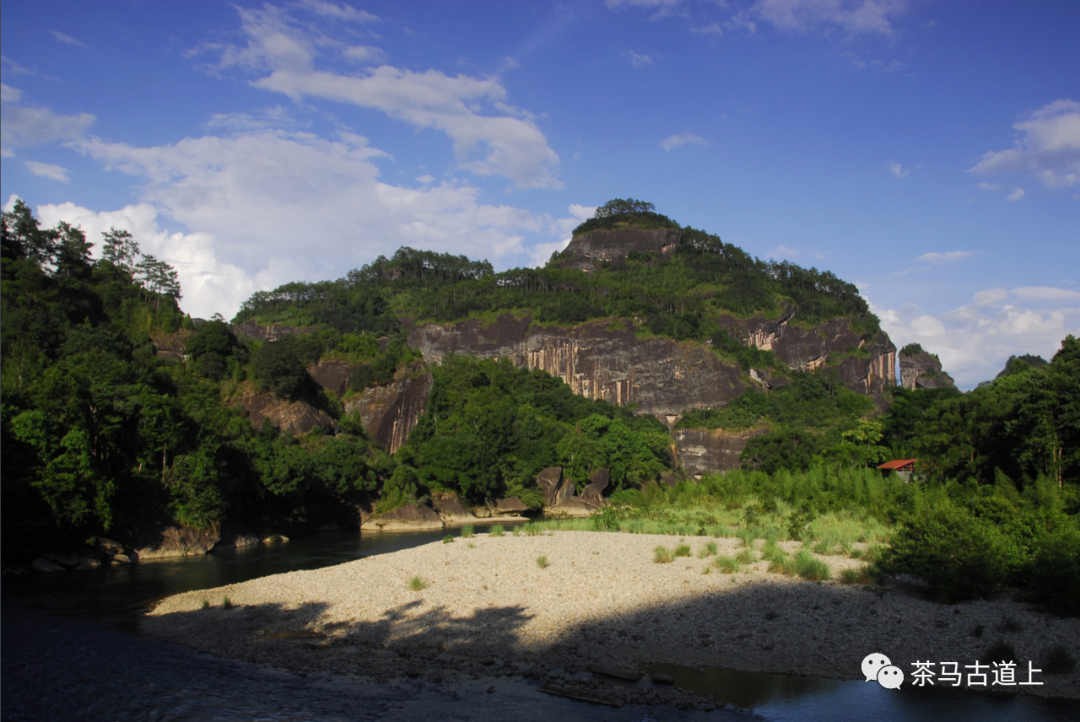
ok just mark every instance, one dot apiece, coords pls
pixel 484 607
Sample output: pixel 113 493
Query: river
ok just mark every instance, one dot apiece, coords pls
pixel 87 608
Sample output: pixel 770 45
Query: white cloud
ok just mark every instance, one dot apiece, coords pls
pixel 852 16
pixel 1046 293
pixel 975 340
pixel 710 29
pixel 637 59
pixel 1049 147
pixel 989 186
pixel 783 251
pixel 275 206
pixel 208 284
pixel 642 3
pixel 48 170
pixel 897 170
pixel 1016 195
pixel 938 258
pixel 674 141
pixel 338 12
pixel 27 125
pixel 68 40
pixel 497 143
pixel 363 53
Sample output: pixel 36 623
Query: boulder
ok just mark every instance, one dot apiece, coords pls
pixel 449 507
pixel 47 566
pixel 408 517
pixel 594 492
pixel 121 559
pixel 64 560
pixel 511 506
pixel 177 542
pixel 292 417
pixel 106 546
pixel 549 481
pixel 565 492
pixel 273 538
pixel 669 478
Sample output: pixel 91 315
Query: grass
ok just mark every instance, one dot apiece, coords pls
pixel 682 550
pixel 532 529
pixel 448 539
pixel 747 536
pixel 471 545
pixel 417 584
pixel 709 550
pixel 727 564
pixel 861 575
pixel 542 561
pixel 1058 660
pixel 810 567
pixel 206 604
pixel 496 530
pixel 226 603
pixel 467 531
pixel 746 556
pixel 662 555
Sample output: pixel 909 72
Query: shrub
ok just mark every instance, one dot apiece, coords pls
pixel 496 530
pixel 206 604
pixel 226 603
pixel 448 539
pixel 280 370
pixel 467 531
pixel 682 550
pixel 1055 572
pixel 542 562
pixel 727 564
pixel 661 555
pixel 417 584
pixel 1058 661
pixel 956 554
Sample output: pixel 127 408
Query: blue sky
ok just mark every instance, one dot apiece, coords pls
pixel 926 150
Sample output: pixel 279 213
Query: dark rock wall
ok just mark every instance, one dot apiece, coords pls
pixel 808 349
pixel 588 251
pixel 332 375
pixel 659 376
pixel 390 412
pixel 293 417
pixel 704 451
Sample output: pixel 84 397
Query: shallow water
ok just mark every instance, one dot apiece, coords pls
pixel 120 588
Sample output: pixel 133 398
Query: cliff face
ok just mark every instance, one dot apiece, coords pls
pixel 923 371
pixel 390 412
pixel 598 360
pixel 273 332
pixel 590 250
pixel 704 451
pixel 866 367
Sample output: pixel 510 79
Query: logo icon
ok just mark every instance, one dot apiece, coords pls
pixel 878 666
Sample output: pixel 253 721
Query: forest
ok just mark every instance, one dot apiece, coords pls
pixel 100 436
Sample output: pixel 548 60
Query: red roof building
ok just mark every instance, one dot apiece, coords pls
pixel 902 467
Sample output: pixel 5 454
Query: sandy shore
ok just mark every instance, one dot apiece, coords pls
pixel 488 609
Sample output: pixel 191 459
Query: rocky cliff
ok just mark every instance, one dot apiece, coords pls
pixel 866 366
pixel 390 412
pixel 588 251
pixel 922 370
pixel 598 360
pixel 293 417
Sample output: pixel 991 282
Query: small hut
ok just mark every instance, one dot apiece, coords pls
pixel 902 467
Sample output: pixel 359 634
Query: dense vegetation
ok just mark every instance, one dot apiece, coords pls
pixel 682 298
pixel 100 436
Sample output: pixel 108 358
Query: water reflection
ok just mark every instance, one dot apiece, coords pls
pixel 784 697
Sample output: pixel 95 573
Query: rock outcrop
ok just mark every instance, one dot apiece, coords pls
pixel 598 360
pixel 272 332
pixel 592 250
pixel 170 346
pixel 390 412
pixel 293 417
pixel 923 370
pixel 332 375
pixel 177 542
pixel 408 517
pixel 705 451
pixel 559 496
pixel 450 507
pixel 865 365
